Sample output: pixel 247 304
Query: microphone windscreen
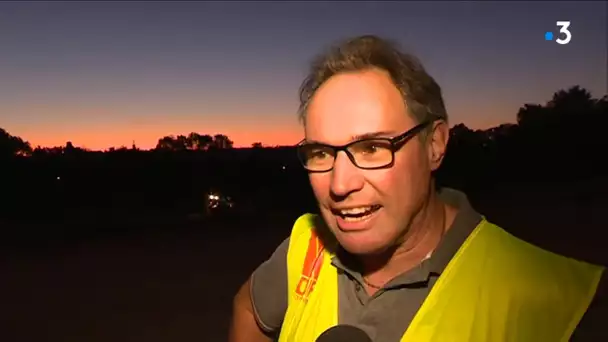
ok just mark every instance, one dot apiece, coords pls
pixel 344 333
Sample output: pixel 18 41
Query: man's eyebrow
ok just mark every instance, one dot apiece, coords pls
pixel 370 135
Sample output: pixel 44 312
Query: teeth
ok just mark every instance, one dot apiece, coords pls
pixel 355 218
pixel 355 211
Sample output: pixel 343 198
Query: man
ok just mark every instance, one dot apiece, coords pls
pixel 391 254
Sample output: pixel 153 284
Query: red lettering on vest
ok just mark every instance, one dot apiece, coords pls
pixel 302 285
pixel 313 261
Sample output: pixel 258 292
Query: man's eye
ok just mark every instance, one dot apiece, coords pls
pixel 370 148
pixel 318 154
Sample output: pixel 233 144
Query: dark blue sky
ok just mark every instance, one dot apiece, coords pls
pixel 103 74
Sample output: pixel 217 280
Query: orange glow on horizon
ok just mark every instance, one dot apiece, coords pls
pixel 243 130
pixel 100 140
pixel 145 137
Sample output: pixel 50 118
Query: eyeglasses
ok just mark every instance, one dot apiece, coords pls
pixel 366 154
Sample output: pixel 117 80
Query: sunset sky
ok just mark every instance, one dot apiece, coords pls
pixel 104 74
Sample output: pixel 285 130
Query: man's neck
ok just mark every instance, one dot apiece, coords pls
pixel 422 237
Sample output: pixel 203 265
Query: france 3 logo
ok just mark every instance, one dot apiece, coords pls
pixel 563 36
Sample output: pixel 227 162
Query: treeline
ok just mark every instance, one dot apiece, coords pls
pixel 15 146
pixel 563 139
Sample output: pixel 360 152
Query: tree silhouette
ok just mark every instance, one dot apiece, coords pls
pixel 257 145
pixel 166 143
pixel 531 115
pixel 173 143
pixel 205 141
pixel 194 141
pixel 564 109
pixel 181 143
pixel 221 141
pixel 573 100
pixel 11 145
pixel 199 142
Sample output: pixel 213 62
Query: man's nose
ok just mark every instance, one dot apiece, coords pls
pixel 346 177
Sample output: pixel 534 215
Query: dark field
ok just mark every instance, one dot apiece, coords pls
pixel 173 280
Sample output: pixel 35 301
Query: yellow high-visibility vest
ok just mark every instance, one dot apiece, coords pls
pixel 496 288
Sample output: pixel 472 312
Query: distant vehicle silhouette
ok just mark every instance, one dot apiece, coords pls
pixel 217 203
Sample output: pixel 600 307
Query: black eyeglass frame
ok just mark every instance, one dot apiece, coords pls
pixel 396 143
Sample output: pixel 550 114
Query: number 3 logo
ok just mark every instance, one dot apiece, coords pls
pixel 563 28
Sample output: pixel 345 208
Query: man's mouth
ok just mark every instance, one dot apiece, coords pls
pixel 356 213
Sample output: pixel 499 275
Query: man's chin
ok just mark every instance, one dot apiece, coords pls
pixel 360 244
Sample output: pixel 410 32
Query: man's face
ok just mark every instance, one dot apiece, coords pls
pixel 345 107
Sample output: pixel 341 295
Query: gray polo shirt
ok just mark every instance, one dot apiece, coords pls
pixel 404 294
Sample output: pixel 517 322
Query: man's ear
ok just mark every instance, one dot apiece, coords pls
pixel 437 142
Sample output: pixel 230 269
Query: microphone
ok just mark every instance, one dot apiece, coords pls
pixel 344 333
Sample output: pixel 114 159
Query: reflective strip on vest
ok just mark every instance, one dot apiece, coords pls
pixel 496 288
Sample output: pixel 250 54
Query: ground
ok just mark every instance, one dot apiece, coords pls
pixel 175 282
